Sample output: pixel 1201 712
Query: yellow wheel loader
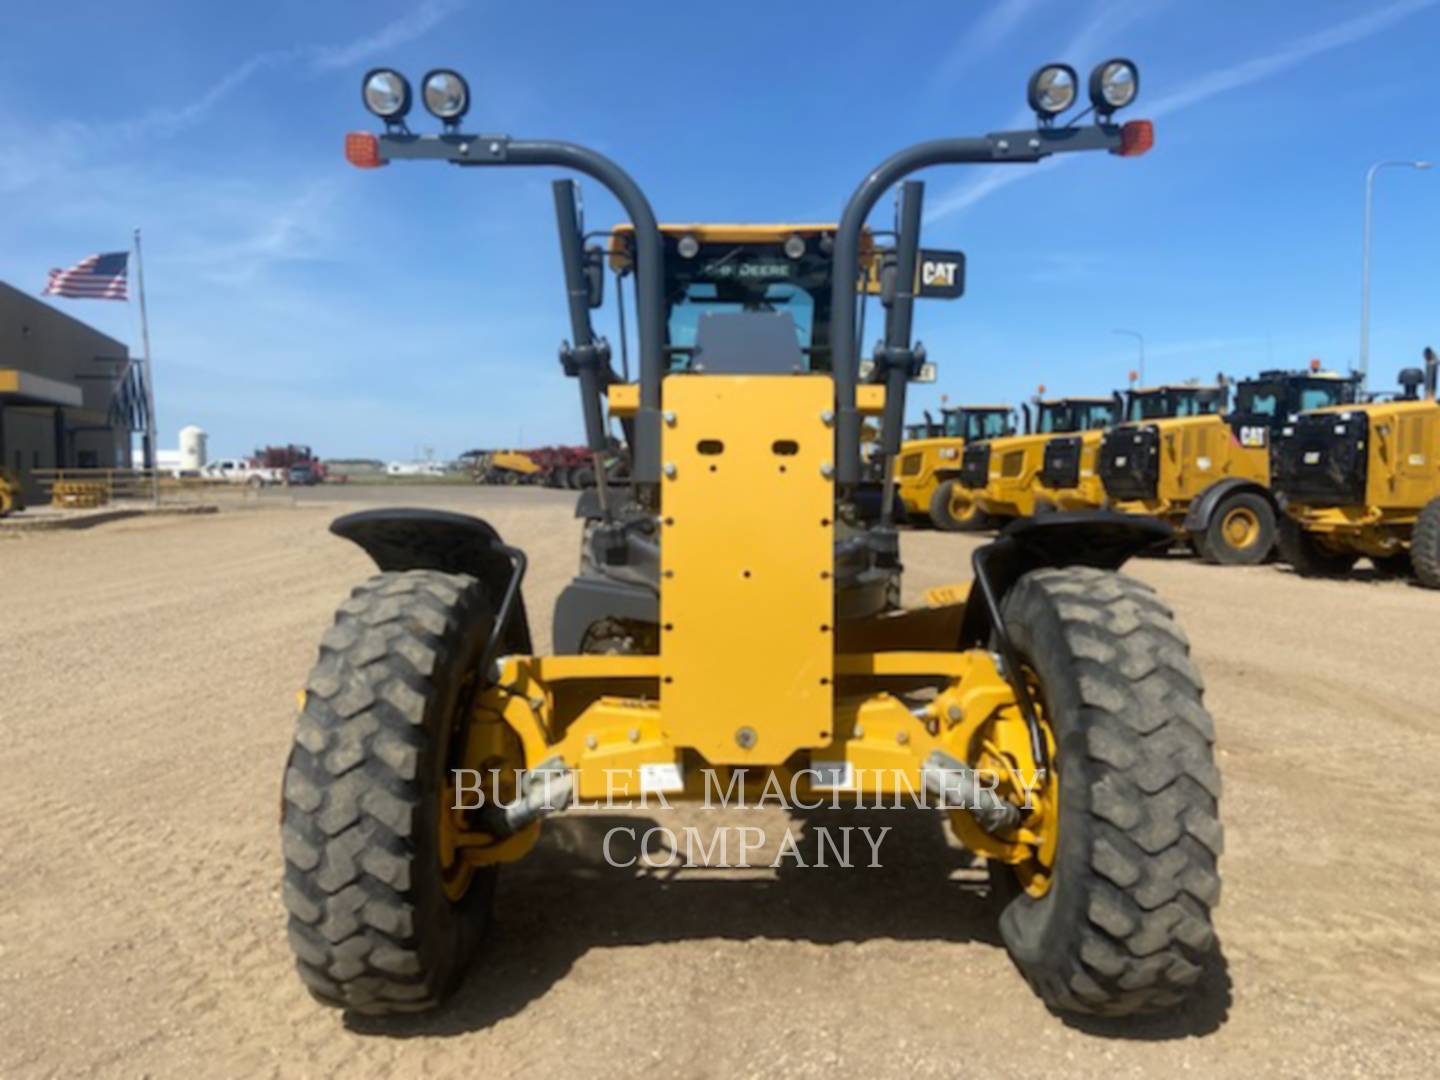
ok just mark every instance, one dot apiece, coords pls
pixel 928 467
pixel 1364 480
pixel 1184 457
pixel 735 622
pixel 1006 478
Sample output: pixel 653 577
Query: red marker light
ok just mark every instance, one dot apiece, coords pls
pixel 1315 364
pixel 363 150
pixel 1136 137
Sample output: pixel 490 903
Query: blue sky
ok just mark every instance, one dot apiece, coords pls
pixel 293 298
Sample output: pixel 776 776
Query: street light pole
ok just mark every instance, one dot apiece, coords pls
pixel 1365 261
pixel 1141 339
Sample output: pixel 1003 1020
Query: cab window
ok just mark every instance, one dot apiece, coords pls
pixel 703 297
pixel 1053 418
pixel 1145 406
pixel 1094 416
pixel 988 425
pixel 1319 396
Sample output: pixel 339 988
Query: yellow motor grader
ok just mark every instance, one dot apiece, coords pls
pixel 1208 475
pixel 928 468
pixel 734 617
pixel 1364 480
pixel 1019 475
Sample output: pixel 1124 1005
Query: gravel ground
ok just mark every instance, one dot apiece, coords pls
pixel 151 668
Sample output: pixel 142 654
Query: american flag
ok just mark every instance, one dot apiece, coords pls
pixel 96 277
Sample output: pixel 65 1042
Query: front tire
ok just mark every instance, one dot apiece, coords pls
pixel 377 923
pixel 1425 545
pixel 1124 926
pixel 1307 556
pixel 951 510
pixel 1241 531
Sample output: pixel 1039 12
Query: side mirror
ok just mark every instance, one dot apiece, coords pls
pixel 594 270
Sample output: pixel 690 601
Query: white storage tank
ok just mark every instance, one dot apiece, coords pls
pixel 193 442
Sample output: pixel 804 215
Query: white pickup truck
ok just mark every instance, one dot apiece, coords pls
pixel 242 471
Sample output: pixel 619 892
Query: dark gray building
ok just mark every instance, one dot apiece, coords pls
pixel 69 396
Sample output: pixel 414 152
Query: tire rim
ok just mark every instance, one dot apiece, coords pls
pixel 1005 751
pixel 1036 873
pixel 455 831
pixel 456 872
pixel 962 508
pixel 1241 527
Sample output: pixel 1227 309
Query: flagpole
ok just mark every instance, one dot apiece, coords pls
pixel 152 448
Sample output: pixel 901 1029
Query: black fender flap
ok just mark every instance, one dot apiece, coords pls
pixel 1197 518
pixel 413 539
pixel 1099 538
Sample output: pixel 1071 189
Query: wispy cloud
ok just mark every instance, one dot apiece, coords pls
pixel 409 27
pixel 1104 22
pixel 987 33
pixel 66 142
pixel 1262 67
pixel 1110 17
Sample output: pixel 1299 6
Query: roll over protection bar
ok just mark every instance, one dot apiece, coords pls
pixel 649 253
pixel 1019 147
pixel 1007 146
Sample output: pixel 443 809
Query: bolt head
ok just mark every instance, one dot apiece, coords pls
pixel 902 737
pixel 745 737
pixel 859 732
pixel 827 470
pixel 591 742
pixel 669 415
pixel 954 712
pixel 633 734
pixel 670 470
pixel 827 418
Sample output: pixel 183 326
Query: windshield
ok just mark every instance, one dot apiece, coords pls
pixel 1054 418
pixel 1276 397
pixel 734 277
pixel 1258 399
pixel 986 425
pixel 1319 395
pixel 702 298
pixel 1164 403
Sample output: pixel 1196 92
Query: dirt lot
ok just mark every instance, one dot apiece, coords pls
pixel 150 671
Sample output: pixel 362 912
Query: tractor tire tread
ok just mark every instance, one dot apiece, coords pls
pixel 352 793
pixel 1425 545
pixel 1141 942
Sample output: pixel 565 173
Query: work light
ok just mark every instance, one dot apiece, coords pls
pixel 794 246
pixel 386 93
pixel 1113 85
pixel 688 247
pixel 1052 90
pixel 446 94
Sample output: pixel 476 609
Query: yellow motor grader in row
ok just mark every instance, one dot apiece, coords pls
pixel 928 467
pixel 1049 467
pixel 735 617
pixel 1364 480
pixel 1186 457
